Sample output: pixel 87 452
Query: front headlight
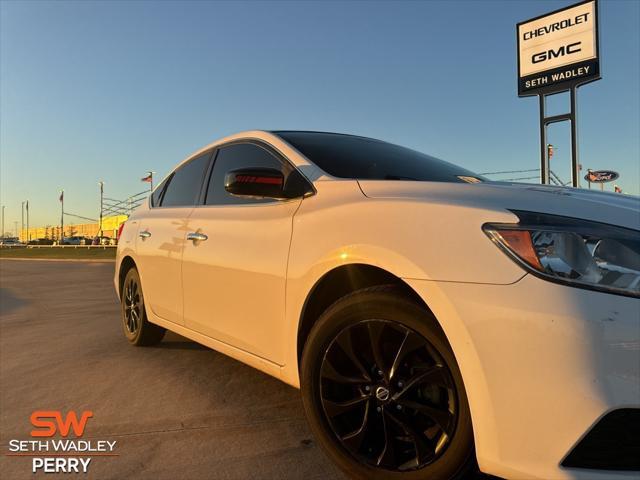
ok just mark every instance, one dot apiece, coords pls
pixel 572 251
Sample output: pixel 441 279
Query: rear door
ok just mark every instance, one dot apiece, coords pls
pixel 161 238
pixel 234 281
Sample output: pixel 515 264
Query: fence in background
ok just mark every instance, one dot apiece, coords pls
pixel 104 247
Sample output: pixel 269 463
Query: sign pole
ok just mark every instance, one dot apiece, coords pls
pixel 544 160
pixel 575 165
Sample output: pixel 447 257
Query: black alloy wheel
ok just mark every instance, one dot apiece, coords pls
pixel 132 305
pixel 382 390
pixel 137 329
pixel 388 395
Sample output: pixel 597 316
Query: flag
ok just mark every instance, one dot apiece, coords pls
pixel 61 196
pixel 148 178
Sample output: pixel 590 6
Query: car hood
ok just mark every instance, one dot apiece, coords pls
pixel 611 208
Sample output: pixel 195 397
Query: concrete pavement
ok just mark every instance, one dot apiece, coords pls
pixel 177 410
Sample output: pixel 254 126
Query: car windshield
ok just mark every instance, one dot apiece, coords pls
pixel 349 156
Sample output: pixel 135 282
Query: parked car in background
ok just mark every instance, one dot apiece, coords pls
pixel 430 317
pixel 103 240
pixel 75 240
pixel 41 241
pixel 11 242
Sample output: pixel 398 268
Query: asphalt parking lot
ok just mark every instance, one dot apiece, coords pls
pixel 177 410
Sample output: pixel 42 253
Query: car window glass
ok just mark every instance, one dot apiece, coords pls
pixel 184 186
pixel 157 193
pixel 348 156
pixel 232 157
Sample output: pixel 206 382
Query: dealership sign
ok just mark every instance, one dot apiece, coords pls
pixel 558 50
pixel 601 176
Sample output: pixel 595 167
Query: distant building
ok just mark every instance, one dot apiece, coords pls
pixel 109 229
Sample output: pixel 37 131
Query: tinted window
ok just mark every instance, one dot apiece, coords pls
pixel 184 186
pixel 157 193
pixel 241 155
pixel 348 156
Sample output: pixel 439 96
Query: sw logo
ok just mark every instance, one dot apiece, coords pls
pixel 50 421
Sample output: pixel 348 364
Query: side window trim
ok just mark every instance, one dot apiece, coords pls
pixel 202 198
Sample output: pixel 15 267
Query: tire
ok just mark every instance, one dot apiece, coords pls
pixel 400 413
pixel 137 329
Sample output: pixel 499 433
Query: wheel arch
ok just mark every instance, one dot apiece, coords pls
pixel 341 281
pixel 126 264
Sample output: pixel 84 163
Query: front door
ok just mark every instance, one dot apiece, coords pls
pixel 234 281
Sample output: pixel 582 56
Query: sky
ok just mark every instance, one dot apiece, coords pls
pixel 105 91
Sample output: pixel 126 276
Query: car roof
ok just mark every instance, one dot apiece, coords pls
pixel 320 132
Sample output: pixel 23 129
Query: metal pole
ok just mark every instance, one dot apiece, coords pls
pixel 28 235
pixel 101 202
pixel 22 223
pixel 544 161
pixel 575 168
pixel 62 218
pixel 2 221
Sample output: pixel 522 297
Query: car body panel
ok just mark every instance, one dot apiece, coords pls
pixel 611 208
pixel 541 364
pixel 159 260
pixel 234 282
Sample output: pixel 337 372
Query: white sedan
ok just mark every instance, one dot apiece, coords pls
pixel 435 322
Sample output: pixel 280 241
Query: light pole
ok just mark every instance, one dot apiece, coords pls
pixel 2 222
pixel 22 224
pixel 28 236
pixel 62 217
pixel 101 183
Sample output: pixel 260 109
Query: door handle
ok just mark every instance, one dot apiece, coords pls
pixel 144 234
pixel 197 236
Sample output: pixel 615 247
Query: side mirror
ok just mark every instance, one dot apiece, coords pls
pixel 255 182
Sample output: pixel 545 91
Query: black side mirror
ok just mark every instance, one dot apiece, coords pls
pixel 255 182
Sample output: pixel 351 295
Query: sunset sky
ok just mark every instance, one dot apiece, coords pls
pixel 94 91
